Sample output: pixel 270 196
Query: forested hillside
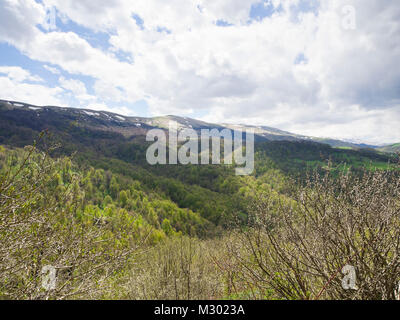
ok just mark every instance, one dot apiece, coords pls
pixel 80 196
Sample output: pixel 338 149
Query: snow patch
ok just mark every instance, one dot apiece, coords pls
pixel 35 108
pixel 92 113
pixel 120 118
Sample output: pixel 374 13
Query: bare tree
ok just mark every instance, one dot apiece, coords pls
pixel 180 268
pixel 297 249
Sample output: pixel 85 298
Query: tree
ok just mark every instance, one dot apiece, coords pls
pixel 123 198
pixel 299 249
pixel 114 187
pixel 40 231
pixel 107 201
pixel 166 226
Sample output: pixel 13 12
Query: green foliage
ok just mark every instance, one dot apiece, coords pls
pixel 123 198
pixel 166 226
pixel 115 194
pixel 44 222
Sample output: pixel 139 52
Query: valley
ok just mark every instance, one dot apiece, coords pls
pixel 94 174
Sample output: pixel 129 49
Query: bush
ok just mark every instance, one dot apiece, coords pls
pixel 299 249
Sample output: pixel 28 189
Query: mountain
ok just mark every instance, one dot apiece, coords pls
pixel 58 118
pixel 115 143
pixel 273 134
pixel 97 185
pixel 393 148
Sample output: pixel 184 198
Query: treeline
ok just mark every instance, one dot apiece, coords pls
pixel 298 159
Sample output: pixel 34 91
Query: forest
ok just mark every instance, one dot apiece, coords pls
pixel 114 227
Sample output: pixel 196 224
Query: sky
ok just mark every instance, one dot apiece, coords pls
pixel 328 68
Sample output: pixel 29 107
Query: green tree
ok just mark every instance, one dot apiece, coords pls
pixel 123 198
pixel 166 227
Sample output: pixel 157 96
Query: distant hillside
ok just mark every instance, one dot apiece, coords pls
pixel 59 118
pixel 273 134
pixel 394 148
pixel 115 143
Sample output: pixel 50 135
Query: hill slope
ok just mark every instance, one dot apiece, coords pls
pixel 394 148
pixel 137 126
pixel 116 143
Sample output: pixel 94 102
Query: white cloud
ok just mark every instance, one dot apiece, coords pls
pixel 118 110
pixel 77 88
pixel 18 74
pixel 52 69
pixel 108 91
pixel 14 86
pixel 18 20
pixel 346 85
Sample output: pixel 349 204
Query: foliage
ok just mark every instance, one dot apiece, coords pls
pixel 40 226
pixel 299 248
pixel 116 227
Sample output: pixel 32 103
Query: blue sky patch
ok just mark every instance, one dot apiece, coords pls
pixel 139 21
pixel 301 59
pixel 263 9
pixel 223 23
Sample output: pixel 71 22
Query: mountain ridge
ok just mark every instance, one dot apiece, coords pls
pixel 135 125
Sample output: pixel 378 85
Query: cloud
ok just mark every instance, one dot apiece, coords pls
pixel 18 74
pixel 118 110
pixel 298 68
pixel 52 69
pixel 78 89
pixel 108 91
pixel 18 20
pixel 16 86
